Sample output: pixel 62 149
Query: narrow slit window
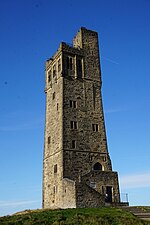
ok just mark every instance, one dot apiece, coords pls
pixel 75 125
pixel 59 65
pixel 74 104
pixel 73 144
pixel 96 127
pixel 49 140
pixel 49 76
pixel 55 168
pixel 54 95
pixel 54 71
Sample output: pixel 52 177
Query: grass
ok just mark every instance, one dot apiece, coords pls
pixel 97 216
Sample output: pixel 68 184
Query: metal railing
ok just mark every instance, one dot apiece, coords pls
pixel 124 197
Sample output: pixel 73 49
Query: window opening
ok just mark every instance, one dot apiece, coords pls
pixel 74 125
pixel 49 140
pixel 95 127
pixel 73 104
pixel 54 95
pixel 54 71
pixel 59 65
pixel 73 144
pixel 55 168
pixel 97 166
pixel 49 75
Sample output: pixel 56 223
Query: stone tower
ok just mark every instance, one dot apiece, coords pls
pixel 77 167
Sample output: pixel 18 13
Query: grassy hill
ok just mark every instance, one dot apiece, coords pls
pixel 99 216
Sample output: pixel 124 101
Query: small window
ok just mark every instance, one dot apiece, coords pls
pixel 54 71
pixel 73 125
pixel 57 106
pixel 95 127
pixel 73 144
pixel 73 104
pixel 49 76
pixel 59 65
pixel 55 168
pixel 49 140
pixel 54 95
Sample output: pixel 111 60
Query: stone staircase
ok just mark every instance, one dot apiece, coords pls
pixel 87 196
pixel 140 212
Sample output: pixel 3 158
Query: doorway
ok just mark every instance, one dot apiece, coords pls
pixel 108 197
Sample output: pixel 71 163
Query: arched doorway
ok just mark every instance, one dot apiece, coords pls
pixel 97 166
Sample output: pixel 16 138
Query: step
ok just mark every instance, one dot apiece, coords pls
pixel 139 212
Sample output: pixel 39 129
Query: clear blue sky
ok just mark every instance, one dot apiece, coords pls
pixel 30 32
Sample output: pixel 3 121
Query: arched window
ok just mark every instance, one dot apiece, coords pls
pixel 97 166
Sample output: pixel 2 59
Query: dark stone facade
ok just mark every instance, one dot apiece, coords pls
pixel 77 167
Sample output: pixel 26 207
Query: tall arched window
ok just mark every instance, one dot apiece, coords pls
pixel 97 166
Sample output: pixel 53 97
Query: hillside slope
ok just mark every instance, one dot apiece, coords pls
pixel 98 216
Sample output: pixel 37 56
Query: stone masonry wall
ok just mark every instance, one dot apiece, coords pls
pixel 53 154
